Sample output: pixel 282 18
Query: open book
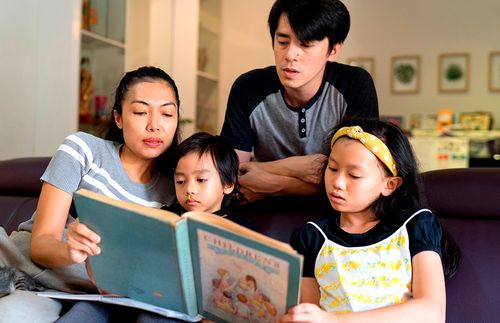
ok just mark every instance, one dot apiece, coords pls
pixel 198 264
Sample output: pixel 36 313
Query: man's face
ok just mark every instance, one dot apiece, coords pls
pixel 300 66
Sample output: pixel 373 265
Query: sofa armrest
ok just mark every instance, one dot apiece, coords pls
pixel 21 176
pixel 19 189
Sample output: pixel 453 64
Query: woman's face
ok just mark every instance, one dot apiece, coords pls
pixel 149 120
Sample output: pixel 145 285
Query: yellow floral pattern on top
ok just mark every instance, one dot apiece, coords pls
pixel 354 279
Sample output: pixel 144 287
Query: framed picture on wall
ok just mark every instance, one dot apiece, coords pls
pixel 453 72
pixel 405 74
pixel 366 63
pixel 494 72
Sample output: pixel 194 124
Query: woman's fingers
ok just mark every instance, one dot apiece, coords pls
pixel 81 238
pixel 84 231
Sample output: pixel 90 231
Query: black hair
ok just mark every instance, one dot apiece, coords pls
pixel 110 131
pixel 225 159
pixel 408 196
pixel 312 20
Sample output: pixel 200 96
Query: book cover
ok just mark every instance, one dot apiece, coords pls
pixel 140 256
pixel 199 263
pixel 241 275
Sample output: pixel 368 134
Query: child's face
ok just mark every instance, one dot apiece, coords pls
pixel 198 185
pixel 354 177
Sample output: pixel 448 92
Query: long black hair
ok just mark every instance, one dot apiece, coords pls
pixel 110 131
pixel 409 195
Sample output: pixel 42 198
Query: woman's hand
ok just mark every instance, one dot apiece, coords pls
pixel 307 312
pixel 82 242
pixel 47 247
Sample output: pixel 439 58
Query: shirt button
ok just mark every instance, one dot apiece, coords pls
pixel 303 110
pixel 302 120
pixel 303 130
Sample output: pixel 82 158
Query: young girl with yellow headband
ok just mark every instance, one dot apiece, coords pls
pixel 379 258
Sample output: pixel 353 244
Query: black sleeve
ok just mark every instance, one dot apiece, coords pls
pixel 425 233
pixel 360 95
pixel 307 240
pixel 236 128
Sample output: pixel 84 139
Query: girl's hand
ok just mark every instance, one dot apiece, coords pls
pixel 82 242
pixel 307 312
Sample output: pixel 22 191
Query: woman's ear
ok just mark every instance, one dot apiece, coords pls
pixel 228 188
pixel 118 119
pixel 391 184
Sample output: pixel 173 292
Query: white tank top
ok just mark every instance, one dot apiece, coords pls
pixel 355 279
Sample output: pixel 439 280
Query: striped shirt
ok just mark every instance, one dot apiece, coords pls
pixel 86 161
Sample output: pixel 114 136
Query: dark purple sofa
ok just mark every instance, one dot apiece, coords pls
pixel 466 200
pixel 19 189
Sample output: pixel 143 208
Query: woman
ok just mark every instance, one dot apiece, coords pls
pixel 132 162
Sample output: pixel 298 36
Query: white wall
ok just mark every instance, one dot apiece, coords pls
pixel 382 29
pixel 39 81
pixel 149 32
pixel 39 75
pixel 164 33
pixel 137 34
pixel 245 43
pixel 184 57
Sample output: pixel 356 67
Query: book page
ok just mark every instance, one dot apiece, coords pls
pixel 240 279
pixel 123 301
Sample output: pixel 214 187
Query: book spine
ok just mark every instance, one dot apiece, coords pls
pixel 186 267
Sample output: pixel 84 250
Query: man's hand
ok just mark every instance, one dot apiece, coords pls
pixel 258 180
pixel 255 182
pixel 306 168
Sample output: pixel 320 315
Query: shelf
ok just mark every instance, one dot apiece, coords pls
pixel 207 76
pixel 93 40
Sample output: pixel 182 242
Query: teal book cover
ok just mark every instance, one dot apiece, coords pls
pixel 197 264
pixel 144 252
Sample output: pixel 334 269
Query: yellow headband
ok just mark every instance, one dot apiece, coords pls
pixel 375 145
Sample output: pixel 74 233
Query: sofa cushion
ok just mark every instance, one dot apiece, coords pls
pixel 277 217
pixel 19 189
pixel 464 192
pixel 21 176
pixel 472 294
pixel 14 210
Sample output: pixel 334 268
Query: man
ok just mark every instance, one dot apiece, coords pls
pixel 284 112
